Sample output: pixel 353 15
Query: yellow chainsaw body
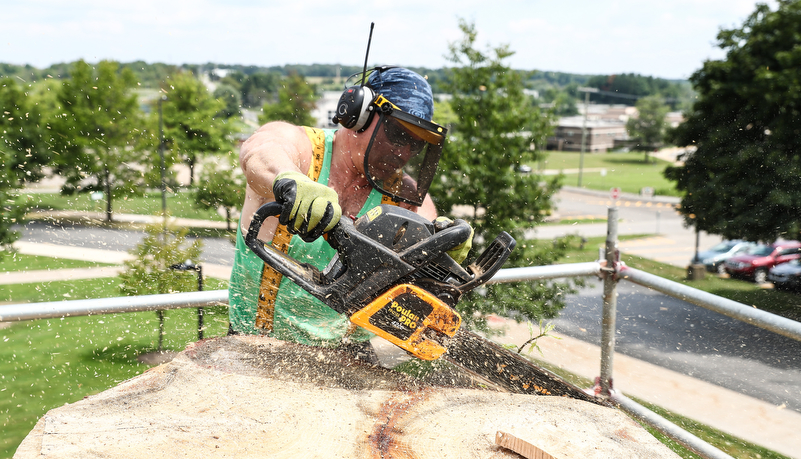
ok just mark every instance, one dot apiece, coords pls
pixel 403 314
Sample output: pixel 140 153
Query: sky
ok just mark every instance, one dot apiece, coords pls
pixel 667 39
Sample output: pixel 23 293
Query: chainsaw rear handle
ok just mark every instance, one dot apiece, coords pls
pixel 303 274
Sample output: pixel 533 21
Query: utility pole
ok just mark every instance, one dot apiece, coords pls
pixel 163 167
pixel 586 92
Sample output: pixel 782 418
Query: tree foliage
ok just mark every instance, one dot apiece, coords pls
pixel 631 84
pixel 744 179
pixel 95 136
pixel 193 124
pixel 10 214
pixel 296 100
pixel 255 89
pixel 21 132
pixel 495 131
pixel 648 128
pixel 221 187
pixel 149 272
pixel 231 98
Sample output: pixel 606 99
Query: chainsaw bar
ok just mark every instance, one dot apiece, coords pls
pixel 508 370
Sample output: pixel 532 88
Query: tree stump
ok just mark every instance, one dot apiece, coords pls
pixel 247 396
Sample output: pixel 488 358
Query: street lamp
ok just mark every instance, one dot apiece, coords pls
pixel 163 168
pixel 586 92
pixel 189 266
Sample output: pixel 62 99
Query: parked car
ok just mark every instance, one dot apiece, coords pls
pixel 713 258
pixel 755 263
pixel 786 276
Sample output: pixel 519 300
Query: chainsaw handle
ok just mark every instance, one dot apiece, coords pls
pixel 271 209
pixel 303 274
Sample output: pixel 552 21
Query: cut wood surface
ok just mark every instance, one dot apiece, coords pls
pixel 258 397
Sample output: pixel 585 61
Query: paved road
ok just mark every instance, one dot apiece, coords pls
pixel 690 340
pixel 215 250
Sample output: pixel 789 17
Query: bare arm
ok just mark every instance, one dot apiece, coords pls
pixel 274 148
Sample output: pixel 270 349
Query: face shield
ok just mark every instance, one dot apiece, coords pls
pixel 403 153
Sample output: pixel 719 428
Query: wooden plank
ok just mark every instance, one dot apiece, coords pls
pixel 521 447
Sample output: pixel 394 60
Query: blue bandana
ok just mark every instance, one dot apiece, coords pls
pixel 406 89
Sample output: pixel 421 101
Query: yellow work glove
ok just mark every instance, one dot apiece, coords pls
pixel 309 209
pixel 458 253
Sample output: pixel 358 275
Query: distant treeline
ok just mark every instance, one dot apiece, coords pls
pixel 254 82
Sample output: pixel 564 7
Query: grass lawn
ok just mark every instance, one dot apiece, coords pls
pixel 47 363
pixel 179 204
pixel 627 171
pixel 21 262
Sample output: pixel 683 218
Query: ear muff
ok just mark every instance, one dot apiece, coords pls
pixel 355 108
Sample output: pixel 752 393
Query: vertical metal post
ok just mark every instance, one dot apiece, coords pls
pixel 163 167
pixel 610 303
pixel 586 92
pixel 200 309
pixel 160 314
pixel 583 137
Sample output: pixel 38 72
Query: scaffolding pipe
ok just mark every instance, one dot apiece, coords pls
pixel 729 308
pixel 58 309
pixel 609 313
pixel 531 273
pixel 673 431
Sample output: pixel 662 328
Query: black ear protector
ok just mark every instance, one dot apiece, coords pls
pixel 355 108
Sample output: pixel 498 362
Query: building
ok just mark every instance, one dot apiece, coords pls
pixel 325 109
pixel 601 134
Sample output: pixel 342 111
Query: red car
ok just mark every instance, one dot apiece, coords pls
pixel 755 263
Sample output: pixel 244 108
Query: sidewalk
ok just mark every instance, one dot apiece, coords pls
pixel 86 254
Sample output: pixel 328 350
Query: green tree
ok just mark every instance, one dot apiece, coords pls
pixel 648 128
pixel 95 135
pixel 232 99
pixel 191 122
pixel 561 101
pixel 296 100
pixel 10 214
pixel 221 186
pixel 495 132
pixel 21 132
pixel 744 179
pixel 258 88
pixel 150 273
pixel 630 84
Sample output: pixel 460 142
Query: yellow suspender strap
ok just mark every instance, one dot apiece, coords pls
pixel 270 278
pixel 387 200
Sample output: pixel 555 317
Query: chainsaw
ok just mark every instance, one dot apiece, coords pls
pixel 392 275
